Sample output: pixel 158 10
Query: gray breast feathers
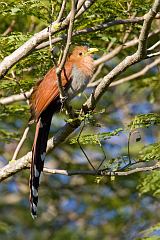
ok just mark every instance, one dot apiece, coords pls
pixel 78 83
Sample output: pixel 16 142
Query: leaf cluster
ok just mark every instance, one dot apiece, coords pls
pixel 13 110
pixel 95 138
pixel 8 136
pixel 145 120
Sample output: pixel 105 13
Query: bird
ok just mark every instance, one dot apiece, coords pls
pixel 45 100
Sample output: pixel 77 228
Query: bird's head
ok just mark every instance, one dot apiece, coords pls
pixel 83 51
pixel 82 56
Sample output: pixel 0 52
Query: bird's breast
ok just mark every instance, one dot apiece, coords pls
pixel 78 83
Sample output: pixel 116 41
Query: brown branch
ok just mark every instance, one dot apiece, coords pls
pixel 15 166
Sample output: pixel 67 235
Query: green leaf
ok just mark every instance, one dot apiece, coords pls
pixel 6 136
pixel 145 120
pixel 95 138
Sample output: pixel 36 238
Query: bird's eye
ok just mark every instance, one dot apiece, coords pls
pixel 80 54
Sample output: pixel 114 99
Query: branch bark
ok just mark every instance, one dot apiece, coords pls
pixel 138 74
pixel 95 29
pixel 102 172
pixel 64 57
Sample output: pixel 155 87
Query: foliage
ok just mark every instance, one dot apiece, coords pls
pixel 145 120
pixel 95 138
pixel 6 136
pixel 150 184
pixel 13 110
pixel 150 234
pixel 150 152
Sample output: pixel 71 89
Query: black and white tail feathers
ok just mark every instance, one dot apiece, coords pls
pixel 38 156
pixel 39 152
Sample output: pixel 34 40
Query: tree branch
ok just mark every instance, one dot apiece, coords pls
pixel 157 44
pixel 25 133
pixel 9 29
pixel 15 166
pixel 138 74
pixel 64 57
pixel 102 172
pixel 61 10
pixel 15 98
pixel 94 29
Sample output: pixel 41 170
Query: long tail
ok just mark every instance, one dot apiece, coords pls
pixel 38 156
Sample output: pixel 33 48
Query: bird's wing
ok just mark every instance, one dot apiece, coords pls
pixel 47 90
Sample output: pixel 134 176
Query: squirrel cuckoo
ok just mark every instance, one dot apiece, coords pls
pixel 45 101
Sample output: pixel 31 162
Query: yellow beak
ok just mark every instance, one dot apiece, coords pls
pixel 92 50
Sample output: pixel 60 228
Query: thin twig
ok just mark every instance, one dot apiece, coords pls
pixel 9 29
pixel 105 157
pixel 102 172
pixel 15 98
pixel 157 44
pixel 61 10
pixel 18 83
pixel 64 57
pixel 94 29
pixel 136 75
pixel 78 141
pixel 153 54
pixel 27 129
pixel 83 6
pixel 24 136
